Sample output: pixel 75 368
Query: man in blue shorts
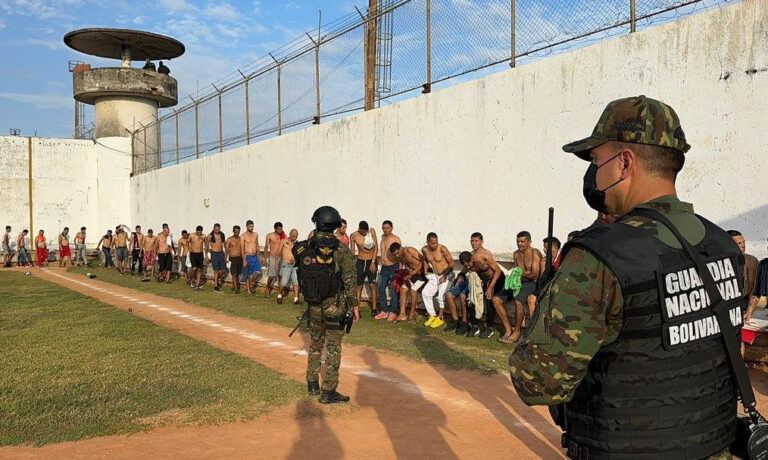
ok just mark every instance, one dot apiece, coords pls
pixel 252 264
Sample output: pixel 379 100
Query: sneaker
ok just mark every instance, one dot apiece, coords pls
pixel 462 329
pixel 473 331
pixel 430 321
pixel 215 288
pixel 436 323
pixel 382 315
pixel 487 333
pixel 296 301
pixel 279 300
pixel 391 317
pixel 452 326
pixel 237 290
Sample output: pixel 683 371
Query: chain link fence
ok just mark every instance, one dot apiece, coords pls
pixel 393 50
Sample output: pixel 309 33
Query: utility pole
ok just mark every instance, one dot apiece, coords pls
pixel 370 55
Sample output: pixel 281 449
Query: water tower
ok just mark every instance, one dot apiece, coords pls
pixel 126 99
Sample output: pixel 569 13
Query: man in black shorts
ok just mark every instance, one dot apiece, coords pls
pixel 365 246
pixel 234 250
pixel 215 243
pixel 197 255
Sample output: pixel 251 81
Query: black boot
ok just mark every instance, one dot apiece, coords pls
pixel 313 388
pixel 331 397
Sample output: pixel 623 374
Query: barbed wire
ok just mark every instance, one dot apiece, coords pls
pixel 278 92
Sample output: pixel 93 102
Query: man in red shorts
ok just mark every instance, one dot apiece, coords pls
pixel 65 252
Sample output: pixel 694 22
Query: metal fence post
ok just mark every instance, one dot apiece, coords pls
pixel 247 111
pixel 279 100
pixel 221 124
pixel 513 32
pixel 197 130
pixel 632 16
pixel 428 84
pixel 177 135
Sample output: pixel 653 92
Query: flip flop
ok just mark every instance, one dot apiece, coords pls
pixel 506 339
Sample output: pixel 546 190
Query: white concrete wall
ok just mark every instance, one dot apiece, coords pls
pixel 485 155
pixel 75 183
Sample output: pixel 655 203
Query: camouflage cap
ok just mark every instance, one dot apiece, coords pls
pixel 639 120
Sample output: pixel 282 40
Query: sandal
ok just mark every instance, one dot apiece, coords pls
pixel 506 339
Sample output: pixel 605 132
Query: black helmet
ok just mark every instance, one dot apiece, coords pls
pixel 326 219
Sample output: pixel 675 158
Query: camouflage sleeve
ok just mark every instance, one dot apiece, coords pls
pixel 348 275
pixel 578 312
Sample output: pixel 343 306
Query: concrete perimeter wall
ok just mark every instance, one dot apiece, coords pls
pixel 485 155
pixel 75 183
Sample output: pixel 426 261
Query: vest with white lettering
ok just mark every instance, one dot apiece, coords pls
pixel 663 389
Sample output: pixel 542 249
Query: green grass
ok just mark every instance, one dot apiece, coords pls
pixel 405 339
pixel 75 368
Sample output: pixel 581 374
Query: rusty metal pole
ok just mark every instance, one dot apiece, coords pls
pixel 317 65
pixel 513 33
pixel 370 54
pixel 632 16
pixel 279 98
pixel 159 144
pixel 428 85
pixel 144 161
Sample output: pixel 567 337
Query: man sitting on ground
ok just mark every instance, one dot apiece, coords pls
pixel 459 290
pixel 438 266
pixel 553 246
pixel 366 247
pixel 288 273
pixel 234 251
pixel 410 277
pixel 492 277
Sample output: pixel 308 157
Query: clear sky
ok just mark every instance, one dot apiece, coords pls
pixel 220 36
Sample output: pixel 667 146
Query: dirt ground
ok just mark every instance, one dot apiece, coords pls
pixel 400 408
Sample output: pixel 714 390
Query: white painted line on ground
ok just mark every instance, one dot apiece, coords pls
pixel 175 313
pixel 183 315
pixel 163 309
pixel 215 325
pixel 277 344
pixel 198 320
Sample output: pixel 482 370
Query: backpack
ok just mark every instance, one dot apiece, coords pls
pixel 316 268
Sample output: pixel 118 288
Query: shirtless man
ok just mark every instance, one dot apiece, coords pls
pixel 234 252
pixel 8 254
pixel 197 256
pixel 150 256
pixel 164 251
pixel 341 233
pixel 529 260
pixel 105 243
pixel 217 257
pixel 553 246
pixel 409 278
pixel 80 247
pixel 21 245
pixel 121 249
pixel 272 249
pixel 42 249
pixel 366 247
pixel 252 264
pixel 389 266
pixel 182 254
pixel 288 274
pixel 137 241
pixel 438 266
pixel 65 252
pixel 485 266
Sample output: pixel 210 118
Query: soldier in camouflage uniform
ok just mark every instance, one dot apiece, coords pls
pixel 326 328
pixel 594 352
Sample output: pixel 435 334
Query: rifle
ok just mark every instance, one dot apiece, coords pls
pixel 301 320
pixel 546 276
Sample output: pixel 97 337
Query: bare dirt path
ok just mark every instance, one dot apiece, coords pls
pixel 400 408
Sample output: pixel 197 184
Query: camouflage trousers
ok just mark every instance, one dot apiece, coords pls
pixel 324 332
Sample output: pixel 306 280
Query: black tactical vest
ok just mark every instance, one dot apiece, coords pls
pixel 316 268
pixel 663 389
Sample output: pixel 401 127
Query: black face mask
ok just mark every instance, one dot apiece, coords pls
pixel 596 198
